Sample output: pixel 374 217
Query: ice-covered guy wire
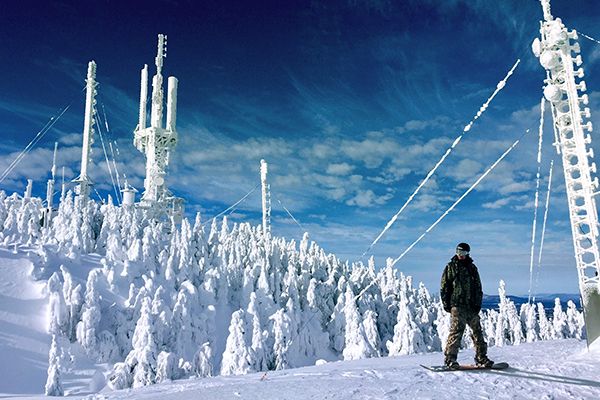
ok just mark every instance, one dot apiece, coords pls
pixel 33 142
pixel 290 214
pixel 110 172
pixel 459 200
pixel 589 37
pixel 466 129
pixel 234 205
pixel 447 212
pixel 539 261
pixel 537 193
pixel 112 152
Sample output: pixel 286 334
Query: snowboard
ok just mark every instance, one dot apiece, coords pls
pixel 465 367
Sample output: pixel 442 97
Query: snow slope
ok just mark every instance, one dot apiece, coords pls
pixel 24 343
pixel 561 369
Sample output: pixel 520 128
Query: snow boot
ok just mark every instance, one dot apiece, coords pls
pixel 483 362
pixel 451 363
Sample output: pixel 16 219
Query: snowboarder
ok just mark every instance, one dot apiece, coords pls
pixel 461 295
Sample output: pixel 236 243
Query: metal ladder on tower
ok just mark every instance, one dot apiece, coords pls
pixel 555 52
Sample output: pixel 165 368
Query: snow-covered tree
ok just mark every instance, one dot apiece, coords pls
pixel 53 383
pixel 237 357
pixel 356 344
pixel 142 359
pixel 91 313
pixel 58 318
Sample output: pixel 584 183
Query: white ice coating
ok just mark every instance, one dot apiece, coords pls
pixel 485 105
pixel 537 193
pixel 589 37
pixel 291 216
pixel 546 9
pixel 266 198
pixel 172 83
pixel 467 128
pixel 233 206
pixel 458 201
pixel 539 261
pixel 108 166
pixel 88 131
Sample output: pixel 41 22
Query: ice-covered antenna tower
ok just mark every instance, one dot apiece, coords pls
pixel 83 189
pixel 157 141
pixel 50 190
pixel 266 198
pixel 558 52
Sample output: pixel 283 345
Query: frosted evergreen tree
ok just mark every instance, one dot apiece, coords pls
pixel 369 324
pixel 312 339
pixel 337 324
pixel 203 361
pixel 559 321
pixel 135 251
pixel 91 313
pixel 282 331
pixel 407 335
pixel 488 321
pixel 546 331
pixel 120 377
pixel 529 322
pixel 237 355
pixel 185 268
pixel 575 321
pixel 53 383
pixel 508 328
pixel 184 322
pixel 58 318
pixel 107 349
pixel 356 345
pixel 150 244
pixel 259 352
pixel 144 354
pixel 162 315
pixel 425 317
pixel 167 368
pixel 75 306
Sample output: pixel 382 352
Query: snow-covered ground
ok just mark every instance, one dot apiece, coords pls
pixel 24 342
pixel 562 369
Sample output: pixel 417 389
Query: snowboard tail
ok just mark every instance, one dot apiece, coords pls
pixel 464 367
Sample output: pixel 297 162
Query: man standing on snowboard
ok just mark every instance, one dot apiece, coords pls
pixel 461 295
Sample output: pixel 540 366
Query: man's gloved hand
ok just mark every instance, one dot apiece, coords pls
pixel 447 308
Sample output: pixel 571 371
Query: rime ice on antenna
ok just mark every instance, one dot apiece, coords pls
pixel 157 141
pixel 266 198
pixel 558 52
pixel 50 190
pixel 83 189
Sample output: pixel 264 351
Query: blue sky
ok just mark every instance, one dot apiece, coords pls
pixel 351 103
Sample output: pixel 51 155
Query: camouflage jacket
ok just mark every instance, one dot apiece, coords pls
pixel 461 286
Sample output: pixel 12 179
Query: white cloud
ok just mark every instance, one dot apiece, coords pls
pixel 339 169
pixel 466 169
pixel 367 198
pixel 514 187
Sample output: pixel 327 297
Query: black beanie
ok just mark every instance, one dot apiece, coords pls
pixel 463 246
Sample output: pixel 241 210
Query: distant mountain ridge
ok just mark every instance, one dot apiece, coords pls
pixel 490 302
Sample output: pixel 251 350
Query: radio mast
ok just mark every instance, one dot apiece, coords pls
pixel 558 52
pixel 157 141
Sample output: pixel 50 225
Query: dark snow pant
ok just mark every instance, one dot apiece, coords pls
pixel 461 318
